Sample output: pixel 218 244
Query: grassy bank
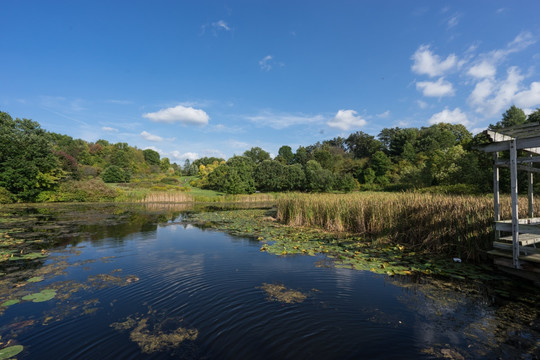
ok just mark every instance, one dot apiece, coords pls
pixel 440 224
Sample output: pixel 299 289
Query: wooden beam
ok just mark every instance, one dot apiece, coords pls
pixel 520 160
pixel 529 144
pixel 514 195
pixel 522 168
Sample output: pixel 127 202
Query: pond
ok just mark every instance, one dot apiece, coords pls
pixel 126 282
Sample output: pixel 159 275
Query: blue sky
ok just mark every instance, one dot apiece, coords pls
pixel 215 78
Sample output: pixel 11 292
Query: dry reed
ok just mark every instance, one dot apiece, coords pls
pixel 443 224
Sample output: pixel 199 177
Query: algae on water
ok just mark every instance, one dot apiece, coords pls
pixel 152 339
pixel 278 292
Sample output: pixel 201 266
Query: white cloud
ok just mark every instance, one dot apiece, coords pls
pixel 436 89
pixel 238 144
pixel 346 120
pixel 455 116
pixel 483 69
pixel 177 156
pixel 481 91
pixel 384 115
pixel 266 63
pixel 422 104
pixel 181 114
pixel 453 21
pixel 151 137
pixel 281 121
pixel 109 129
pixel 428 63
pixel 529 97
pixel 491 97
pixel 221 25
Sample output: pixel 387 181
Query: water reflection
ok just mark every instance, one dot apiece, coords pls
pixel 134 281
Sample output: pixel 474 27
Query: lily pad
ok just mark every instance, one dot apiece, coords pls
pixel 43 295
pixel 11 302
pixel 10 351
pixel 35 279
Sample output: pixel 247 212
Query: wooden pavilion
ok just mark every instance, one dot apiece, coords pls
pixel 515 239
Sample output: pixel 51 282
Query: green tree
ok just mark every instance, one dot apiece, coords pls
pixel 301 156
pixel 257 155
pixel 317 178
pixel 534 116
pixel 511 117
pixel 114 174
pixel 151 157
pixel 270 175
pixel 285 155
pixel 295 177
pixel 26 158
pixel 361 145
pixel 394 139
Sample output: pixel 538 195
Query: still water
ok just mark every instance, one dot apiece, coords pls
pixel 143 283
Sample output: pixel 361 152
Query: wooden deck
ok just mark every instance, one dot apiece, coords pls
pixel 530 264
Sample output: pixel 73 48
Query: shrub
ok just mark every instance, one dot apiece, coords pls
pixel 169 180
pixel 114 174
pixel 5 196
pixel 94 190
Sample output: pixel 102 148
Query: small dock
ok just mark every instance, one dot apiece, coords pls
pixel 515 247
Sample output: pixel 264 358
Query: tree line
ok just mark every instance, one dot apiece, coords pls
pixel 34 161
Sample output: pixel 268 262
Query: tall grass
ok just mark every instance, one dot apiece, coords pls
pixel 444 224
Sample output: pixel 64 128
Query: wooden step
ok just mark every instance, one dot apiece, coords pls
pixel 522 249
pixel 524 239
pixel 500 253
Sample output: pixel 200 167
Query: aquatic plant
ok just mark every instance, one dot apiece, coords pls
pixel 278 292
pixel 155 339
pixel 43 295
pixel 10 351
pixel 460 226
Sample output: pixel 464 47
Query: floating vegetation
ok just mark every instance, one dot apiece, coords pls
pixel 155 338
pixel 346 250
pixel 43 295
pixel 11 302
pixel 10 351
pixel 278 292
pixel 35 279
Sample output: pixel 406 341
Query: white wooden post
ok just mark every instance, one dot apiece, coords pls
pixel 514 194
pixel 496 201
pixel 530 178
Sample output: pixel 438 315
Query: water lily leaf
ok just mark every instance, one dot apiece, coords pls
pixel 35 279
pixel 11 302
pixel 10 351
pixel 44 295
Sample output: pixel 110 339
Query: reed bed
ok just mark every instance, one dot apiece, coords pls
pixel 459 226
pixel 167 197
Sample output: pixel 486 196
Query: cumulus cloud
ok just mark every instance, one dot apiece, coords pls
pixel 346 120
pixel 529 97
pixel 178 156
pixel 281 121
pixel 150 137
pixel 179 114
pixel 455 116
pixel 438 88
pixel 483 69
pixel 428 63
pixel 109 129
pixel 490 97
